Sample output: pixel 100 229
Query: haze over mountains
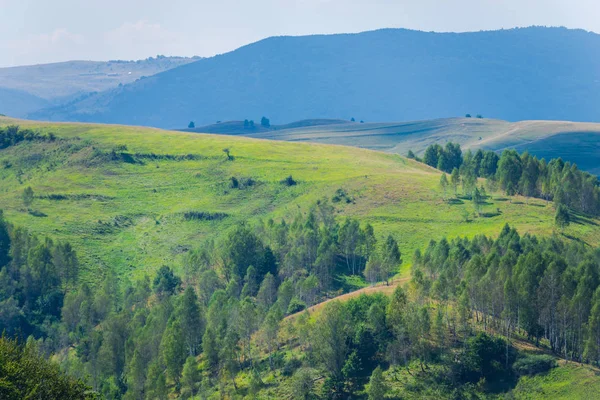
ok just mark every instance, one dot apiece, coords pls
pixel 385 75
pixel 26 89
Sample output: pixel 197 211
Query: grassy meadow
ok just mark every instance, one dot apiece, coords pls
pixel 129 213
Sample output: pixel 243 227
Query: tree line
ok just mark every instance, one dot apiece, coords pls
pixel 514 173
pixel 12 135
pixel 546 289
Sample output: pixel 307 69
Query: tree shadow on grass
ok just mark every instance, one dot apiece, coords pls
pixel 501 199
pixel 576 239
pixel 537 205
pixel 581 219
pixel 37 213
pixel 491 214
pixel 455 201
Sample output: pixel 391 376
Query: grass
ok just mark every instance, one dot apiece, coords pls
pixel 129 214
pixel 568 381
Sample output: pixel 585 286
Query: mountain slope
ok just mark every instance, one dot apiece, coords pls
pixel 573 141
pixel 19 103
pixel 63 79
pixel 386 75
pixel 127 212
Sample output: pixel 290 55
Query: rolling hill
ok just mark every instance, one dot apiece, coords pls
pixel 575 142
pixel 385 75
pixel 127 211
pixel 26 89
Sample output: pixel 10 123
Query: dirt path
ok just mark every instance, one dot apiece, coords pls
pixel 379 288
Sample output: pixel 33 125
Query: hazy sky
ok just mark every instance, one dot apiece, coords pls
pixel 39 31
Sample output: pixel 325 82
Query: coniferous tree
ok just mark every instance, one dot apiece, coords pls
pixel 192 321
pixel 173 349
pixel 190 377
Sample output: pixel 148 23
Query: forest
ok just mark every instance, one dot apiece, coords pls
pixel 123 333
pixel 232 320
pixel 514 173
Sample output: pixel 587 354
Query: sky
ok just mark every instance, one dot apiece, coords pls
pixel 41 31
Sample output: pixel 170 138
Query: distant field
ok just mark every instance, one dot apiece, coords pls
pixel 128 215
pixel 576 142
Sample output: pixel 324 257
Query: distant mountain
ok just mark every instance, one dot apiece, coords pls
pixel 573 141
pixel 18 103
pixel 36 86
pixel 391 74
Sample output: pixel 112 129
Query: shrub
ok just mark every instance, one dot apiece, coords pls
pixel 534 364
pixel 290 366
pixel 289 181
pixel 340 195
pixel 296 305
pixel 203 216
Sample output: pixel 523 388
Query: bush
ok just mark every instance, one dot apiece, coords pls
pixel 290 366
pixel 296 305
pixel 483 357
pixel 534 364
pixel 203 216
pixel 289 181
pixel 340 195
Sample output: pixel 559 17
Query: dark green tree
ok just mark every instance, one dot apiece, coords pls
pixel 166 283
pixel 562 218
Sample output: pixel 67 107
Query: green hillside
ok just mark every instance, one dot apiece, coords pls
pixel 573 141
pixel 127 212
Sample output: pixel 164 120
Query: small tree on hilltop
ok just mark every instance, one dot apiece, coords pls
pixel 265 123
pixel 411 155
pixel 562 218
pixel 28 196
pixel 228 154
pixel 468 116
pixel 444 184
pixel 191 125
